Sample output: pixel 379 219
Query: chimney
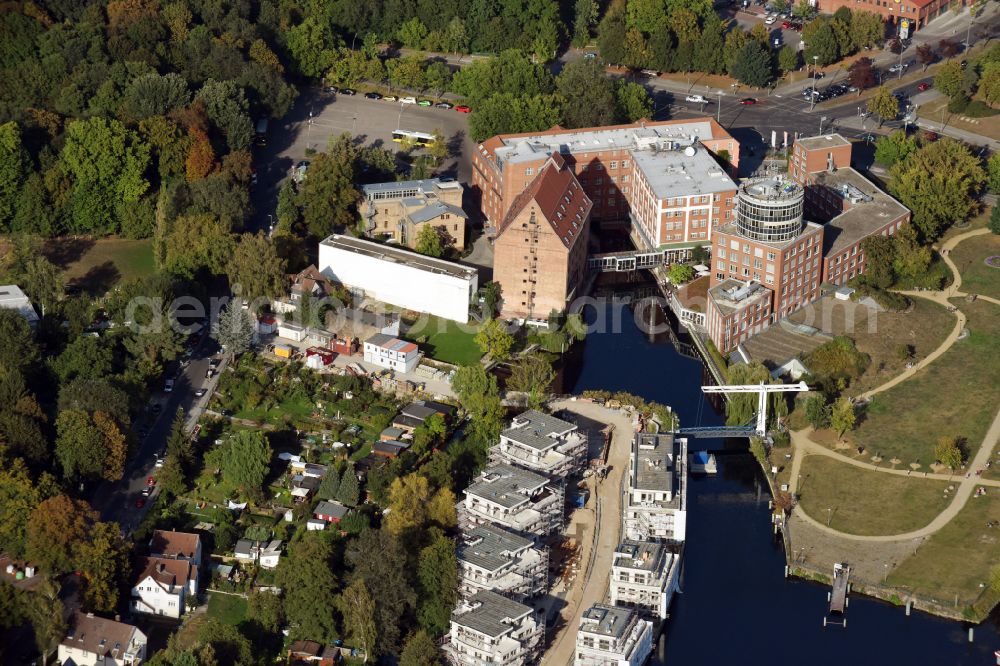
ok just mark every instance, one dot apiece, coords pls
pixel 160 567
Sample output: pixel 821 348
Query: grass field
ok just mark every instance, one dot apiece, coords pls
pixel 98 265
pixel 957 558
pixel 969 256
pixel 989 126
pixel 227 608
pixel 859 501
pixel 957 395
pixel 445 340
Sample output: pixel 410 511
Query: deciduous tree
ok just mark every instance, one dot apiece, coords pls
pixel 948 452
pixel 380 562
pixel 494 340
pixel 102 559
pixel 589 95
pixel 429 242
pixel 893 148
pixel 753 65
pixel 358 608
pixel 246 460
pixel 305 574
pixel 532 374
pixel 884 105
pixel 862 74
pixel 421 650
pixel 257 269
pixel 437 573
pixel 56 528
pixel 843 416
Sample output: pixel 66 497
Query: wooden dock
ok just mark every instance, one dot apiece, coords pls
pixel 838 595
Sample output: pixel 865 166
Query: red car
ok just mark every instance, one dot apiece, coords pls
pixel 786 25
pixel 748 101
pixel 141 502
pixel 461 108
pixel 150 480
pixel 924 86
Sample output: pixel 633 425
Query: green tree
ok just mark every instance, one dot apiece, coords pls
pixel 680 273
pixel 19 495
pixel 305 574
pixel 429 241
pixel 611 36
pixel 884 105
pixel 47 615
pixel 893 148
pixel 103 562
pixel 330 484
pixel 408 497
pixel 511 72
pixel 585 13
pixel 589 95
pixel 421 650
pixel 837 363
pixel 478 393
pixel 817 411
pixel 507 112
pixel 246 460
pixel 412 33
pixel 993 173
pixel 19 349
pixel 456 35
pixel 327 196
pixel 989 83
pixel 867 29
pixel 879 255
pixel 742 406
pixel 633 101
pixel 86 356
pixel 994 223
pixel 938 183
pixel 265 609
pixel 234 329
pixel 821 42
pixel 843 416
pixel 736 39
pixel 227 107
pixel 802 10
pixel 358 608
pixel 349 492
pixel 43 283
pixel 788 59
pixel 438 76
pixel 312 45
pixel 15 166
pixel 491 294
pixel 80 447
pixel 256 269
pixel 379 560
pixel 494 340
pixel 753 65
pixel 910 258
pixel 759 450
pixel 532 374
pixel 948 79
pixel 407 72
pixel 437 574
pixel 948 452
pixel 195 243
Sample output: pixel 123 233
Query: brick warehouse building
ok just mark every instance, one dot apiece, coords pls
pixel 771 261
pixel 540 252
pixel 663 176
pixel 917 13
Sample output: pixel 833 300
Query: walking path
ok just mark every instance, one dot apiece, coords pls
pixel 803 446
pixel 591 584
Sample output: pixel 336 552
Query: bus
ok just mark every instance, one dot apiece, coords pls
pixel 260 136
pixel 422 139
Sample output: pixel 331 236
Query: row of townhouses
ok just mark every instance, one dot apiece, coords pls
pixel 506 516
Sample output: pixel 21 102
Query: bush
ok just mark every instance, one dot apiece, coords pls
pixel 958 104
pixel 994 223
pixel 979 109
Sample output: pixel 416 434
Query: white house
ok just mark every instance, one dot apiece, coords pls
pixel 491 558
pixel 541 443
pixel 12 298
pixel 515 499
pixel 388 352
pixel 291 331
pixel 656 499
pixel 492 629
pixel 163 586
pixel 267 553
pixel 97 641
pixel 399 277
pixel 613 636
pixel 644 577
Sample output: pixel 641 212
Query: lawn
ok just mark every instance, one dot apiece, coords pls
pixel 969 256
pixel 989 126
pixel 956 559
pixel 860 501
pixel 227 608
pixel 446 340
pixel 956 395
pixel 98 265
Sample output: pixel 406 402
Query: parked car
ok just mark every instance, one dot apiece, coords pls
pixel 407 100
pixel 159 463
pixel 373 95
pixel 200 392
pixel 150 480
pixel 147 491
pixel 748 101
pixel 140 502
pixel 924 86
pixel 696 99
pixel 461 108
pixel 425 102
pixel 898 67
pixel 443 105
pixel 168 386
pixel 390 98
pixel 786 25
pixel 333 89
pixel 770 20
pixel 347 91
pixel 590 55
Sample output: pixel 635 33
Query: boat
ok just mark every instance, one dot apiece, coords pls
pixel 703 462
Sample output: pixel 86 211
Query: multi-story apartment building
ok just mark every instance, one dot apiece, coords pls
pixel 613 636
pixel 491 629
pixel 491 558
pixel 540 251
pixel 399 211
pixel 542 443
pixel 97 641
pixel 664 177
pixel 515 499
pixel 644 576
pixel 656 494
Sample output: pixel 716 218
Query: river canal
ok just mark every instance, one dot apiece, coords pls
pixel 736 607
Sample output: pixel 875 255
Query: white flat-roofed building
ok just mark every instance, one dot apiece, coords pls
pixel 400 277
pixel 515 499
pixel 492 630
pixel 542 443
pixel 613 636
pixel 644 577
pixel 388 352
pixel 491 558
pixel 656 494
pixel 13 298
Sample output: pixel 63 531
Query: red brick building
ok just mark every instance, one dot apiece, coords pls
pixel 540 253
pixel 917 12
pixel 664 177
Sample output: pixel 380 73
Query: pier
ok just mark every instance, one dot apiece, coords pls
pixel 838 595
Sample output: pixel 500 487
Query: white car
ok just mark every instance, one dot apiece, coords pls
pixel 407 100
pixel 697 99
pixel 770 20
pixel 168 386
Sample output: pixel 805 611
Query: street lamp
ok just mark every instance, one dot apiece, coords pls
pixel 718 111
pixel 812 95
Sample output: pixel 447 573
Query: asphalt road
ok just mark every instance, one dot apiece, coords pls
pixel 118 501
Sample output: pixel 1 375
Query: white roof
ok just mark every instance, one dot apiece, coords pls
pixel 12 298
